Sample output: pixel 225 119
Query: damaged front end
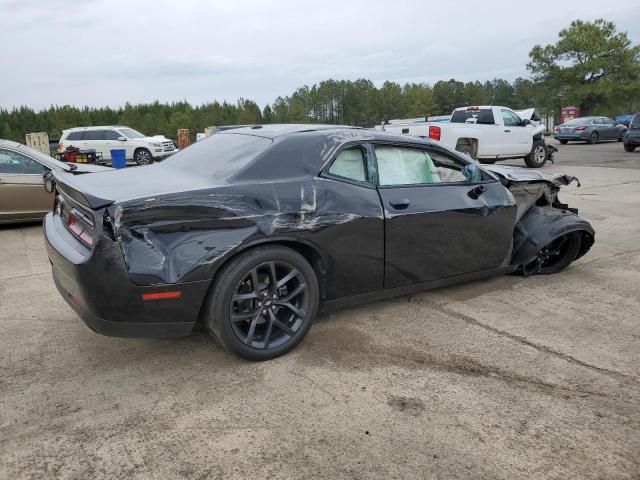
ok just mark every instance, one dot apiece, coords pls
pixel 541 217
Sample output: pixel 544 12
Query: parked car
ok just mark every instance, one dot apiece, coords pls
pixel 631 137
pixel 22 170
pixel 589 129
pixel 486 133
pixel 250 231
pixel 139 147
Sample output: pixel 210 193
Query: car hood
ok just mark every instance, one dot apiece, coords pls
pixel 528 175
pixel 120 185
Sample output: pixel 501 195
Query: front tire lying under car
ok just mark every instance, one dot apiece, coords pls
pixel 263 302
pixel 555 256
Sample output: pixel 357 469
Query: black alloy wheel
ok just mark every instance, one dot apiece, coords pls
pixel 265 303
pixel 555 256
pixel 594 138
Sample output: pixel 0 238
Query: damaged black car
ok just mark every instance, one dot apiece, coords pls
pixel 253 230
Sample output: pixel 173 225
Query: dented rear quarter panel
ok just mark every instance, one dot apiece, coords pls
pixel 186 237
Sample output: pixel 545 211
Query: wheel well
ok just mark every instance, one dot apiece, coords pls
pixel 310 254
pixel 471 142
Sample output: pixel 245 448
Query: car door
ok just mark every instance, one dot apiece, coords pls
pixel 517 138
pixel 439 221
pixel 111 142
pixel 22 193
pixel 612 128
pixel 96 140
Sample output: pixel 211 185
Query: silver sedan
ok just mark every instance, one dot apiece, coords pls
pixel 590 130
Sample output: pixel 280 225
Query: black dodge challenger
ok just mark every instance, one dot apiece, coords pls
pixel 252 230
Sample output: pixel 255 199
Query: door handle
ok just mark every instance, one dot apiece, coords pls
pixel 507 130
pixel 475 192
pixel 399 204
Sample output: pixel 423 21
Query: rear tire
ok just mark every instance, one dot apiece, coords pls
pixel 249 312
pixel 556 255
pixel 538 155
pixel 593 138
pixel 564 142
pixel 629 148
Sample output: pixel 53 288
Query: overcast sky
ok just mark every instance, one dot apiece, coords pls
pixel 108 52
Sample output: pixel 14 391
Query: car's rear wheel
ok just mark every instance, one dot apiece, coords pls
pixel 555 256
pixel 594 138
pixel 142 156
pixel 263 303
pixel 629 148
pixel 564 142
pixel 538 155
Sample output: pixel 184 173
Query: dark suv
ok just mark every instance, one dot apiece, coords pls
pixel 631 137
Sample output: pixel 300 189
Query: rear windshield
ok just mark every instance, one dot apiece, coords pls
pixel 578 121
pixel 221 155
pixel 635 121
pixel 483 116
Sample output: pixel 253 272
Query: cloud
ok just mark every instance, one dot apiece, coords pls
pixel 112 51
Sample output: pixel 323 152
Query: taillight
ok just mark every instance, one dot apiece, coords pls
pixel 78 223
pixel 580 129
pixel 80 227
pixel 434 132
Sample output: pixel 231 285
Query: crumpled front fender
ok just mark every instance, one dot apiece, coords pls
pixel 541 225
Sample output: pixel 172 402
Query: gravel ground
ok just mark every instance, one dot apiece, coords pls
pixel 509 378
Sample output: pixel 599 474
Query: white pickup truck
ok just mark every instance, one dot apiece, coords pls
pixel 486 133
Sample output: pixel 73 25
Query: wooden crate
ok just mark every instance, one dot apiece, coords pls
pixel 38 141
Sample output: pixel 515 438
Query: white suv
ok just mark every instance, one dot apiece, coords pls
pixel 144 150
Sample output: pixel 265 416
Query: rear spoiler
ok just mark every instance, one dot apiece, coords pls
pixel 65 182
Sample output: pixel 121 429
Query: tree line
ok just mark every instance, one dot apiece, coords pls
pixel 592 65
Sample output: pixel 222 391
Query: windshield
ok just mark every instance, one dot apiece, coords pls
pixel 221 155
pixel 131 133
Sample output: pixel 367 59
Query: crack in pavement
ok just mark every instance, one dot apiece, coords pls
pixel 619 254
pixel 541 348
pixel 24 276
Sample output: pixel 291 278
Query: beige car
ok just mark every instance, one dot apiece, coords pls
pixel 23 197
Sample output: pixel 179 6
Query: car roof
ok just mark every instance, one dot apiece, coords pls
pixel 94 127
pixel 299 151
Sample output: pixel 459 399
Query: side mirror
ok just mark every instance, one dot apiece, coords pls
pixel 526 122
pixel 49 183
pixel 122 139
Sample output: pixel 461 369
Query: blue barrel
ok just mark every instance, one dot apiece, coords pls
pixel 118 158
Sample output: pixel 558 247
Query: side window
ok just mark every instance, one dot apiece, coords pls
pixel 351 164
pixel 94 135
pixel 75 136
pixel 111 135
pixel 451 170
pixel 510 119
pixel 16 163
pixel 405 166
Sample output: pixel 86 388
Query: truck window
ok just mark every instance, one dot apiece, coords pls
pixel 480 116
pixel 510 119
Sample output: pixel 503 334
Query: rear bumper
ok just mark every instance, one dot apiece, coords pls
pixel 571 136
pixel 633 140
pixel 96 286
